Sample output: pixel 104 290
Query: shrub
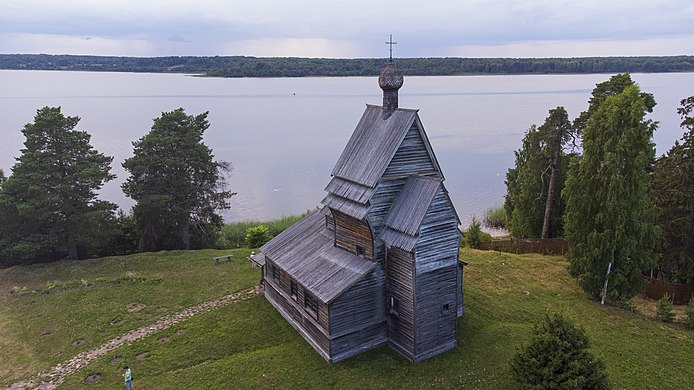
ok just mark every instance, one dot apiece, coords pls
pixel 233 235
pixel 496 218
pixel 558 358
pixel 689 310
pixel 257 236
pixel 473 233
pixel 664 309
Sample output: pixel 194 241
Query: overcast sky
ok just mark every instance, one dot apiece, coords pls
pixel 349 28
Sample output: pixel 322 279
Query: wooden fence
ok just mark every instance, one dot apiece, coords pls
pixel 680 293
pixel 545 246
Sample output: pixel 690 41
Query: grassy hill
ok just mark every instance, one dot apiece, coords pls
pixel 78 306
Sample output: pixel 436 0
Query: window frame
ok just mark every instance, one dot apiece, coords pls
pixel 294 290
pixel 394 306
pixel 360 250
pixel 311 304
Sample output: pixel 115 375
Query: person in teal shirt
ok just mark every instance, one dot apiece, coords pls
pixel 128 376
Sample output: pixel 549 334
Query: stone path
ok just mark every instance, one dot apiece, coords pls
pixel 55 376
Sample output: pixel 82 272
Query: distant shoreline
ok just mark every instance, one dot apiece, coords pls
pixel 262 67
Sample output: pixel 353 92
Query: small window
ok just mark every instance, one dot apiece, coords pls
pixel 361 252
pixel 276 274
pixel 293 290
pixel 393 306
pixel 310 304
pixel 446 307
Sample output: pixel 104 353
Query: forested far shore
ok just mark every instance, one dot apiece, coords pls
pixel 242 66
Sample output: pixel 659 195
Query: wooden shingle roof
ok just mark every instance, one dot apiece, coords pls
pixel 306 252
pixel 407 213
pixel 372 145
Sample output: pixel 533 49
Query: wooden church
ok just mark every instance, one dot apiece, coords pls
pixel 378 264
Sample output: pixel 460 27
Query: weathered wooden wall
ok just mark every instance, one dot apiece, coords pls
pixel 411 157
pixel 400 285
pixel 435 324
pixel 357 318
pixel 350 232
pixel 294 311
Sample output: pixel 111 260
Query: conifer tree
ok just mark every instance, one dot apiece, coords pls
pixel 177 184
pixel 672 190
pixel 532 202
pixel 609 217
pixel 48 205
pixel 557 357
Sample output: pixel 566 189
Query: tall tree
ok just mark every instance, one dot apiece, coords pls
pixel 556 131
pixel 609 217
pixel 177 184
pixel 49 203
pixel 531 203
pixel 615 85
pixel 672 190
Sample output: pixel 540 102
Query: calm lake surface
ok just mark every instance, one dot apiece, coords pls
pixel 284 135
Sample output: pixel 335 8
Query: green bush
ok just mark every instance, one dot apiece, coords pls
pixel 233 235
pixel 664 309
pixel 496 218
pixel 257 236
pixel 689 311
pixel 558 358
pixel 474 234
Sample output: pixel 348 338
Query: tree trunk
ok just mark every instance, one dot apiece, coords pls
pixel 552 191
pixel 184 234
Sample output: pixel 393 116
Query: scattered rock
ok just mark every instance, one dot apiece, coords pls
pixel 116 359
pixel 163 340
pixel 92 378
pixel 145 316
pixel 117 322
pixel 134 307
pixel 78 342
pixel 181 331
pixel 162 309
pixel 142 356
pixel 46 333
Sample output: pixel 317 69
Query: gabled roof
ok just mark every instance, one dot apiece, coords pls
pixel 372 145
pixel 412 204
pixel 306 252
pixel 407 213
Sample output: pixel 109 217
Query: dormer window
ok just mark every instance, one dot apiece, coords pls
pixel 361 252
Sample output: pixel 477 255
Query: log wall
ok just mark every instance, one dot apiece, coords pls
pixel 350 232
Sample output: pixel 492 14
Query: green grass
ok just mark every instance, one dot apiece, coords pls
pixel 233 235
pixel 248 345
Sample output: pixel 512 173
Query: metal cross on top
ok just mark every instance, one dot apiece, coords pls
pixel 391 43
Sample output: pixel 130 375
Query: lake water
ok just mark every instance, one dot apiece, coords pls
pixel 283 136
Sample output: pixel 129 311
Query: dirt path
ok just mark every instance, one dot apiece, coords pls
pixel 56 375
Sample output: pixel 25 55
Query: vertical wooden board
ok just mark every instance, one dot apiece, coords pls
pixel 436 326
pixel 401 327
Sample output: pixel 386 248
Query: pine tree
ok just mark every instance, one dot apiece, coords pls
pixel 672 190
pixel 609 217
pixel 48 205
pixel 177 184
pixel 532 204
